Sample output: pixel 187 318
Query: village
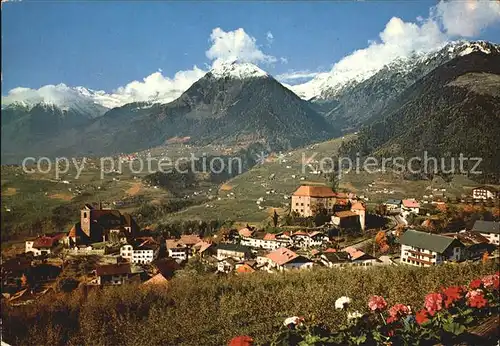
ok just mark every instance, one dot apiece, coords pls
pixel 108 248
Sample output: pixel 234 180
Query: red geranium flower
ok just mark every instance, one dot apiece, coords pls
pixel 377 303
pixel 421 317
pixel 475 284
pixel 242 340
pixel 452 294
pixel 490 281
pixel 476 299
pixel 399 310
pixel 433 303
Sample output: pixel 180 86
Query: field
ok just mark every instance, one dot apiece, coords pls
pixel 29 201
pixel 278 177
pixel 210 310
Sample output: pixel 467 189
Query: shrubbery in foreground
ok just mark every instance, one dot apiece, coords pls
pixel 211 310
pixel 444 318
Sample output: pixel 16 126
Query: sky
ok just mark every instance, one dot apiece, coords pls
pixel 130 50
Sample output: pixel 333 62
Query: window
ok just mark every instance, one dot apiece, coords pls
pixel 85 215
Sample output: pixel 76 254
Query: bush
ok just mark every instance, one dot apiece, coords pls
pixel 210 309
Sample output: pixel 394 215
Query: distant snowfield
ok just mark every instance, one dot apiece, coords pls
pixel 159 89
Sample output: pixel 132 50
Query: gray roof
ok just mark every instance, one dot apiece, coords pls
pixel 234 247
pixel 394 201
pixel 428 241
pixel 486 227
pixel 337 257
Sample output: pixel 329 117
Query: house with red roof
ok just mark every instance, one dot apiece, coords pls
pixel 262 240
pixel 410 206
pixel 285 259
pixel 45 244
pixel 304 239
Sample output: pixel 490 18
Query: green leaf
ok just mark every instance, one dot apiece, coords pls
pixel 454 328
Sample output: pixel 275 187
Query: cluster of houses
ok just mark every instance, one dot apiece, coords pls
pixel 129 255
pixel 426 249
pixel 254 250
pixel 345 209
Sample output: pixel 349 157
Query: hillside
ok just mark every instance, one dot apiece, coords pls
pixel 350 105
pixel 210 309
pixel 452 110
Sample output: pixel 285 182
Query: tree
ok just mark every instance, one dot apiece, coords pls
pixel 485 257
pixel 381 209
pixel 334 182
pixel 24 280
pixel 381 239
pixel 275 218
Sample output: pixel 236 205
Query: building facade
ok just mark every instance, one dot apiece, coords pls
pixel 484 192
pixel 425 249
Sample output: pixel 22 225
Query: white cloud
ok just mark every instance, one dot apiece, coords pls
pixel 236 45
pixel 467 18
pixel 157 87
pixel 269 37
pixel 399 39
pixel 294 75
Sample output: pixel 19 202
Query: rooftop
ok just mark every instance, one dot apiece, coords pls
pixel 314 191
pixel 411 203
pixel 423 240
pixel 486 227
pixel 282 256
pixel 113 269
pixel 234 247
pixel 345 213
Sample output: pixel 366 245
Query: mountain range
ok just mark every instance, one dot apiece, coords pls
pixel 234 103
pixel 453 110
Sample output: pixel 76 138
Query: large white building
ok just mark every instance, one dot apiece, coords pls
pixel 484 192
pixel 140 253
pixel 308 200
pixel 268 241
pixel 488 229
pixel 426 249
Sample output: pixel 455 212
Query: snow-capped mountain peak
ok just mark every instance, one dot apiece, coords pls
pixel 328 85
pixel 236 69
pixel 61 96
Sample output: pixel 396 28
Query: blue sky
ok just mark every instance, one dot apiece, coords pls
pixel 104 45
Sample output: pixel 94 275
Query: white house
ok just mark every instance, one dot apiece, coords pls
pixel 484 192
pixel 268 241
pixel 426 249
pixel 236 251
pixel 393 204
pixel 285 259
pixel 177 250
pixel 140 255
pixel 410 206
pixel 488 229
pixel 304 240
pixel 113 274
pixel 40 246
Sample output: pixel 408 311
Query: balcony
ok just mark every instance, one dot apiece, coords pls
pixel 418 253
pixel 420 261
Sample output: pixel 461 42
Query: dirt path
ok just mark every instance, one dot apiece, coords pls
pixel 135 189
pixel 10 191
pixel 62 196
